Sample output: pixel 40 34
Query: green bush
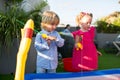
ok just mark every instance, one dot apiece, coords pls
pixel 104 27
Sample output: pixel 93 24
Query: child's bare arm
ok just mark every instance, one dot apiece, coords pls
pixel 99 53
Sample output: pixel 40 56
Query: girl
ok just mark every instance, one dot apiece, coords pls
pixel 85 55
pixel 46 46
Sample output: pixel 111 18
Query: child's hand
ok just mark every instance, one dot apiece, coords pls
pixel 49 39
pixel 48 42
pixel 78 46
pixel 77 39
pixel 46 37
pixel 99 53
pixel 52 38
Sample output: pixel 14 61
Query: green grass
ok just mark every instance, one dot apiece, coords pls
pixel 106 61
pixel 60 67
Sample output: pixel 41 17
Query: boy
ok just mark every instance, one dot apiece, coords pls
pixel 46 47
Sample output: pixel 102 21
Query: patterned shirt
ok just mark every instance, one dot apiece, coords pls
pixel 47 56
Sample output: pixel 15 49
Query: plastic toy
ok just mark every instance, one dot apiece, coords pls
pixel 27 33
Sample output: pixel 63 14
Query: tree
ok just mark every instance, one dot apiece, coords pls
pixel 110 23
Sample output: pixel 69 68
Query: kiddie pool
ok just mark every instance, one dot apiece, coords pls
pixel 109 74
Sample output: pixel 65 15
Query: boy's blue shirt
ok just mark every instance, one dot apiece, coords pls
pixel 47 56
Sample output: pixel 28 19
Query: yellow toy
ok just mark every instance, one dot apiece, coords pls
pixel 25 43
pixel 44 36
pixel 79 46
pixel 78 41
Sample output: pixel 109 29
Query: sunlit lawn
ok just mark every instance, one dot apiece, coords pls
pixel 106 61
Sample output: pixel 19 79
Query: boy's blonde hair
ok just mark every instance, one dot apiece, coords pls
pixel 81 15
pixel 49 17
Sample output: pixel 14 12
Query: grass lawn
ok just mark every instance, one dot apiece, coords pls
pixel 106 61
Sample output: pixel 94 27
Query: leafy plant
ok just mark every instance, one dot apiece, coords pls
pixel 13 19
pixel 9 27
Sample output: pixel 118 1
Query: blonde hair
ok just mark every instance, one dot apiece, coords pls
pixel 49 17
pixel 81 15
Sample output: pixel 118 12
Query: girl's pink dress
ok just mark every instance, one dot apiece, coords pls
pixel 85 59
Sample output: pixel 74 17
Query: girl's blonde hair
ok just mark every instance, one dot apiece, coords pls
pixel 49 17
pixel 81 15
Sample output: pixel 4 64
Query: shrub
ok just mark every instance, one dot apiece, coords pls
pixel 109 24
